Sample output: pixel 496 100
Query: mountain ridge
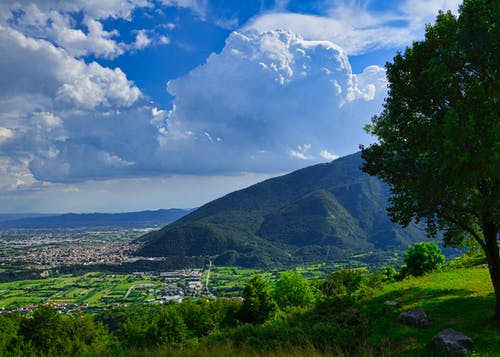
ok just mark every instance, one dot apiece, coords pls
pixel 326 211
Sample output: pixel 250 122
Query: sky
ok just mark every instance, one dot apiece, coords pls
pixel 127 105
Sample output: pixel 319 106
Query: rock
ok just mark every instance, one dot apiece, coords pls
pixel 416 317
pixel 454 343
pixel 391 303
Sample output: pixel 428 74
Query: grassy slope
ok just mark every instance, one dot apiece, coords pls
pixel 461 299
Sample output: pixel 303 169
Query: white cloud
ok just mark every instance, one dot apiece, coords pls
pixel 164 40
pixel 328 155
pixel 96 41
pixel 67 120
pixel 141 40
pixel 421 12
pixel 265 95
pixel 59 76
pixel 355 27
pixel 5 134
pixel 58 22
pixel 199 7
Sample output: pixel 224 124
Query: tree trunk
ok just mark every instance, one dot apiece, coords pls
pixel 493 258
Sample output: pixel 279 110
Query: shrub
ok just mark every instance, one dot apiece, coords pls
pixel 423 257
pixel 342 283
pixel 389 273
pixel 292 290
pixel 258 303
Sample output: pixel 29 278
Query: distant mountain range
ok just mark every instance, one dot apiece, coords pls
pixel 324 212
pixel 140 219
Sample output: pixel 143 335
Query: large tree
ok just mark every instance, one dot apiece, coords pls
pixel 439 132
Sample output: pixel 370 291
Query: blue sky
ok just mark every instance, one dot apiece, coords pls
pixel 143 104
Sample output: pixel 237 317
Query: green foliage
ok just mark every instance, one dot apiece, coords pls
pixel 389 273
pixel 293 290
pixel 50 333
pixel 439 133
pixel 168 328
pixel 258 303
pixel 342 283
pixel 9 340
pixel 423 257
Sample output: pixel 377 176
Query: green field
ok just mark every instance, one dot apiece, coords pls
pixel 229 281
pixel 94 289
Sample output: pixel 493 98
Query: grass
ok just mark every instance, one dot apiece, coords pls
pixel 461 299
pixel 229 350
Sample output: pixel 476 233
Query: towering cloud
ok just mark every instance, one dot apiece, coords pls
pixel 269 101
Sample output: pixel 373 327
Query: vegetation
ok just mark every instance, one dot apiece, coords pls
pixel 423 258
pixel 439 133
pixel 258 304
pixel 347 317
pixel 293 290
pixel 323 213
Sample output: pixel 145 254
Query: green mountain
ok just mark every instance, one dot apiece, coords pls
pixel 324 212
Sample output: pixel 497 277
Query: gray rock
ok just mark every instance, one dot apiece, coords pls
pixel 416 317
pixel 391 303
pixel 454 343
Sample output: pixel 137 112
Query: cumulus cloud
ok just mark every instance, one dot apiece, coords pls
pixel 60 23
pixel 269 102
pixel 59 76
pixel 63 119
pixel 141 40
pixel 5 134
pixel 264 96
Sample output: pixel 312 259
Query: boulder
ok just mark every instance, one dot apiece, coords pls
pixel 416 317
pixel 453 342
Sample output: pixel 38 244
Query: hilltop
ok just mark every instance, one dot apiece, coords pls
pixel 325 212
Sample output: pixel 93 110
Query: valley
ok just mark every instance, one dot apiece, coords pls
pixel 89 269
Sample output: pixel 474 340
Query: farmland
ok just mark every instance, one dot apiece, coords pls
pixel 90 269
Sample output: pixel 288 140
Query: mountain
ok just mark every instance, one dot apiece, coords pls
pixel 323 212
pixel 140 219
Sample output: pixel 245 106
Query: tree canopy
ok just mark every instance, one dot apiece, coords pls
pixel 439 132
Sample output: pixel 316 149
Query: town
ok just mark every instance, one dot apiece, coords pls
pixel 47 253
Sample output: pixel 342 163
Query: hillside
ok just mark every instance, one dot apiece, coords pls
pixel 323 212
pixel 140 219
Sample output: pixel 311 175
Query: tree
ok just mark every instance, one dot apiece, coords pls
pixel 258 303
pixel 423 257
pixel 292 289
pixel 439 132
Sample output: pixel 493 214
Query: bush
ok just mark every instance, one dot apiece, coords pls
pixel 342 283
pixel 292 290
pixel 258 303
pixel 423 257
